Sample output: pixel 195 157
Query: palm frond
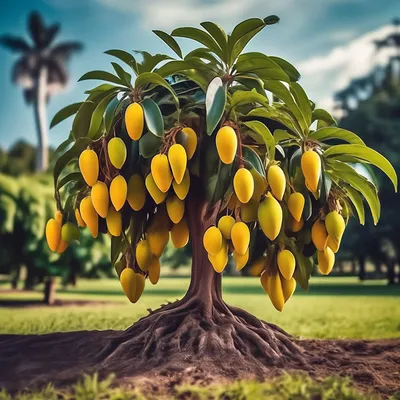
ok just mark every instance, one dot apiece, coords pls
pixel 37 29
pixel 65 50
pixel 51 33
pixel 24 71
pixel 14 43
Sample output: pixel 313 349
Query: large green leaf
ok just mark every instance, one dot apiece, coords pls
pixel 304 267
pixel 329 133
pixel 252 82
pixel 97 116
pixel 302 101
pixel 265 133
pixel 290 70
pixel 80 126
pixel 357 201
pixel 170 41
pixel 203 53
pixel 101 76
pixel 72 177
pixel 122 74
pixel 124 56
pixel 219 36
pixel 153 117
pixel 149 145
pixel 367 154
pixel 252 159
pixel 215 103
pixel 323 118
pixel 111 110
pixel 117 244
pixel 65 113
pixel 242 97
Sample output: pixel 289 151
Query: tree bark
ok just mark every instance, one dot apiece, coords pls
pixel 39 106
pixel 361 266
pixel 49 291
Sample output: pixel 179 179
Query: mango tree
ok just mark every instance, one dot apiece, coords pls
pixel 222 149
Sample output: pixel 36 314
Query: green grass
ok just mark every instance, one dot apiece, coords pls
pixel 333 308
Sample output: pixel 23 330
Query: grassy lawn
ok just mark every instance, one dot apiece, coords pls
pixel 333 308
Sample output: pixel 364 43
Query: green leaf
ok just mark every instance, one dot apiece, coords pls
pixel 265 133
pixel 155 79
pixel 117 244
pixel 302 101
pixel 153 117
pixel 63 146
pixel 111 110
pixel 251 82
pixel 290 70
pixel 149 145
pixel 323 116
pixel 65 113
pixel 122 74
pixel 80 126
pixel 304 267
pixel 252 159
pixel 366 154
pixel 203 52
pixel 101 76
pixel 97 116
pixel 242 97
pixel 73 176
pixel 169 41
pixel 357 201
pixel 281 134
pixel 331 133
pixel 218 35
pixel 124 56
pixel 215 103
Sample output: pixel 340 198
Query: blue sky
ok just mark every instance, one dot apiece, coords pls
pixel 328 40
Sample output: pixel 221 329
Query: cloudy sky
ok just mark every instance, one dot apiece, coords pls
pixel 328 40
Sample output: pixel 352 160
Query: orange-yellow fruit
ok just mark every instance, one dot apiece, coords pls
pixel 62 246
pixel 319 235
pixel 53 234
pixel 89 166
pixel 219 260
pixel 190 144
pixel 241 259
pixel 182 189
pixel 100 198
pixel 118 192
pixel 114 222
pixel 225 225
pixel 277 181
pixel 260 184
pixel 154 270
pixel 326 261
pixel 258 266
pixel 134 120
pixel 143 255
pixel 156 194
pixel 226 142
pixel 116 152
pixel 311 167
pixel 296 226
pixel 161 172
pixel 58 216
pixel 296 203
pixel 70 232
pixel 212 240
pixel 89 216
pixel 286 263
pixel 273 287
pixel 288 288
pixel 270 217
pixel 128 283
pixel 249 211
pixel 79 219
pixel 136 195
pixel 178 161
pixel 243 184
pixel 332 244
pixel 240 236
pixel 180 234
pixel 140 282
pixel 335 226
pixel 175 208
pixel 157 236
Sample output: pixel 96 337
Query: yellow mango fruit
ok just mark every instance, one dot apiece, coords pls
pixel 161 172
pixel 178 161
pixel 270 217
pixel 296 226
pixel 100 198
pixel 286 263
pixel 136 195
pixel 58 216
pixel 241 259
pixel 249 211
pixel 89 166
pixel 89 216
pixel 70 232
pixel 319 235
pixel 332 244
pixel 79 219
pixel 212 240
pixel 116 152
pixel 182 189
pixel 288 288
pixel 53 234
pixel 118 192
pixel 226 142
pixel 114 222
pixel 128 283
pixel 277 181
pixel 157 236
pixel 154 270
pixel 296 204
pixel 175 208
pixel 225 225
pixel 260 184
pixel 273 287
pixel 335 226
pixel 240 236
pixel 134 121
pixel 326 261
pixel 190 144
pixel 311 167
pixel 140 283
pixel 220 260
pixel 156 194
pixel 180 234
pixel 143 255
pixel 62 246
pixel 258 266
pixel 243 184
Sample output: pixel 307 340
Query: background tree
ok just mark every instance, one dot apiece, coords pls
pixel 223 153
pixel 41 71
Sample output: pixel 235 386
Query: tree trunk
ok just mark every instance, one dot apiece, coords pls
pixel 49 291
pixel 361 265
pixel 39 106
pixel 391 274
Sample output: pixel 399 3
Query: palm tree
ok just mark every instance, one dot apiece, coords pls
pixel 41 71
